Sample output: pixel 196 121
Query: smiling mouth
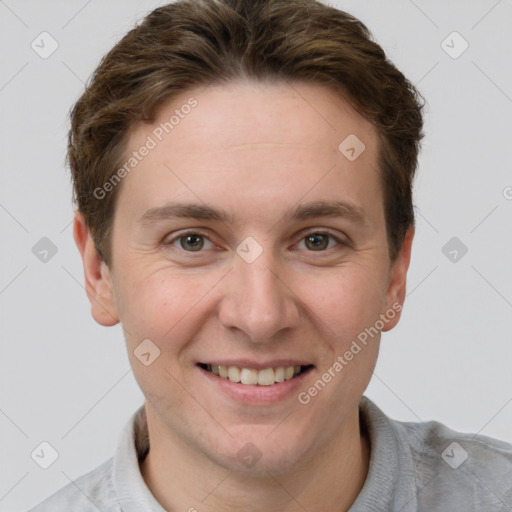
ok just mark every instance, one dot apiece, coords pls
pixel 253 377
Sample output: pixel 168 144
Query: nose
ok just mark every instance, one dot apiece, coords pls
pixel 259 300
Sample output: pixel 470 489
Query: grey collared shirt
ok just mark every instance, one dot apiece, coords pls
pixel 414 467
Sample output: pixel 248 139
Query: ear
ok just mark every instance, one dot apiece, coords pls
pixel 395 295
pixel 98 282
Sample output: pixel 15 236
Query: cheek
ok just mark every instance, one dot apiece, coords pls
pixel 348 301
pixel 159 306
pixel 164 310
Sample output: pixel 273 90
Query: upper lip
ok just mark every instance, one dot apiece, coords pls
pixel 257 365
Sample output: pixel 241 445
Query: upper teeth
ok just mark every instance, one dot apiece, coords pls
pixel 265 377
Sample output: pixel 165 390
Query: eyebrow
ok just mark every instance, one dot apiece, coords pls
pixel 302 212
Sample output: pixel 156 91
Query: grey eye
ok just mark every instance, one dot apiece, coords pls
pixel 191 242
pixel 318 241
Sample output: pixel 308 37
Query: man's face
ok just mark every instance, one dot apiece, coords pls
pixel 261 288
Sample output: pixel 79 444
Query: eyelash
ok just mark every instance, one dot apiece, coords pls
pixel 303 237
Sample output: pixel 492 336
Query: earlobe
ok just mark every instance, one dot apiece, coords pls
pixel 98 281
pixel 395 296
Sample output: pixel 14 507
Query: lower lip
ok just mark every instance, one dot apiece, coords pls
pixel 255 394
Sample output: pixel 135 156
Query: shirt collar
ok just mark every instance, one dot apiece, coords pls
pixel 390 483
pixel 132 492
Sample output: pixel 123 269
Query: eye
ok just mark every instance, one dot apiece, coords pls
pixel 315 241
pixel 318 241
pixel 190 242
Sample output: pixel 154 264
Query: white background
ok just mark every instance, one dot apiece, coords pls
pixel 67 381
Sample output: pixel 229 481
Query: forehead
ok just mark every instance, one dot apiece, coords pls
pixel 263 142
pixel 244 112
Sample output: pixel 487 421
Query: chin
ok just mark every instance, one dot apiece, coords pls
pixel 253 454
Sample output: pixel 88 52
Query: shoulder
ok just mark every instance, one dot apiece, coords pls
pixel 89 493
pixel 452 466
pixel 419 466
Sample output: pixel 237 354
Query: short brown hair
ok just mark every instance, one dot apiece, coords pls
pixel 191 43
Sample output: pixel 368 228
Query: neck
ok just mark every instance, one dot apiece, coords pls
pixel 330 479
